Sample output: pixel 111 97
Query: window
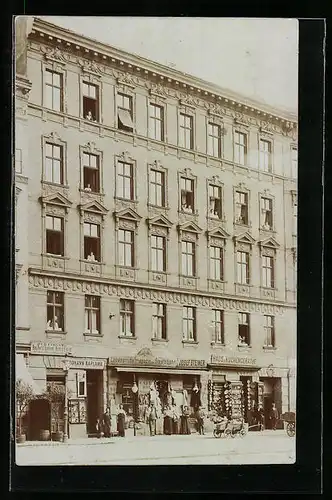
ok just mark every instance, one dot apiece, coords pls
pixel 242 260
pixel 91 178
pixel 269 331
pixel 216 263
pixel 186 131
pixel 126 248
pixel 215 208
pixel 241 216
pixel 240 150
pixel 81 384
pixel 125 112
pixel 54 163
pixel 127 318
pixel 55 311
pixel 125 181
pixel 294 162
pixel 265 155
pixel 158 253
pixel 18 161
pixel 159 321
pixel 244 329
pixel 156 122
pixel 188 258
pixel 157 188
pixel 266 213
pixel 218 326
pixel 187 195
pixel 92 314
pixel 268 271
pixel 53 90
pixel 189 324
pixel 214 140
pixel 92 241
pixel 54 235
pixel 90 102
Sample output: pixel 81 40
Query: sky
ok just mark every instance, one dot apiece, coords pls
pixel 257 58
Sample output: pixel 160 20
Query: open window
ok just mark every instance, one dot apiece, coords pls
pixel 92 314
pixel 241 216
pixel 91 176
pixel 244 329
pixel 266 214
pixel 54 235
pixel 90 102
pixel 125 112
pixel 91 241
pixel 215 209
pixel 187 195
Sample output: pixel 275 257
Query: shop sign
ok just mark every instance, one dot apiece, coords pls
pixel 156 362
pixel 41 347
pixel 86 363
pixel 230 360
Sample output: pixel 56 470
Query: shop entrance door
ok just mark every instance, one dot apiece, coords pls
pixel 94 399
pixel 272 394
pixel 39 418
pixel 162 387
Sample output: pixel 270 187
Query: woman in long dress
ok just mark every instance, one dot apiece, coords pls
pixel 184 429
pixel 168 421
pixel 175 420
pixel 121 419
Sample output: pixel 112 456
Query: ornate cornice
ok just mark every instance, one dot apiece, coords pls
pixel 44 281
pixel 133 70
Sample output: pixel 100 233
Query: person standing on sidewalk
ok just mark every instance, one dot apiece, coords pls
pixel 106 423
pixel 200 420
pixel 121 420
pixel 274 416
pixel 184 429
pixel 152 418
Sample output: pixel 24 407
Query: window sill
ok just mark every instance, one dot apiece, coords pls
pixel 128 200
pixel 55 332
pixel 95 335
pixel 126 337
pixel 55 256
pixel 266 230
pixel 87 261
pixel 49 183
pixel 243 347
pixel 217 218
pixel 97 193
pixel 160 207
pixel 157 341
pixel 240 224
pixel 269 348
pixel 194 213
pixel 189 342
pixel 86 120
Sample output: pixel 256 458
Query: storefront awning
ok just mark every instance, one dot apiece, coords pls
pixel 23 373
pixel 158 370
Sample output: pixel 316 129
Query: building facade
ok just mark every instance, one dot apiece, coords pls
pixel 155 233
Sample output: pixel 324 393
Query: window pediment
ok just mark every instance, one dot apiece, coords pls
pixel 95 207
pixel 244 238
pixel 128 214
pixel 218 232
pixel 160 220
pixel 56 199
pixel 190 227
pixel 269 242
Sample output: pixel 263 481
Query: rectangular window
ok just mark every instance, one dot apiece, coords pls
pixel 125 112
pixel 53 163
pixel 186 131
pixel 125 181
pixel 244 329
pixel 241 207
pixel 18 161
pixel 242 261
pixel 214 140
pixel 55 311
pixel 158 253
pixel 92 241
pixel 240 148
pixel 189 324
pixel 269 331
pixel 187 195
pixel 188 258
pixel 91 177
pixel 266 213
pixel 268 271
pixel 159 321
pixel 218 326
pixel 92 314
pixel 54 235
pixel 216 263
pixel 265 163
pixel 156 122
pixel 215 207
pixel 126 248
pixel 53 90
pixel 81 384
pixel 90 102
pixel 157 188
pixel 127 318
pixel 294 163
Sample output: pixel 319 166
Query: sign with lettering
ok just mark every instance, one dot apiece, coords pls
pixel 86 363
pixel 232 360
pixel 156 362
pixel 41 347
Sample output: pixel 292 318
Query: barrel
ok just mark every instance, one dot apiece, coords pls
pixel 44 435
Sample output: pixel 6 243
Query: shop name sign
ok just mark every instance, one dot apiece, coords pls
pixel 157 362
pixel 86 364
pixel 41 347
pixel 230 360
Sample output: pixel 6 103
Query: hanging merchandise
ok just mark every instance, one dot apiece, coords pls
pixel 185 397
pixel 195 397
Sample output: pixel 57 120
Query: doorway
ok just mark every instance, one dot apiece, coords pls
pixel 39 418
pixel 95 408
pixel 272 394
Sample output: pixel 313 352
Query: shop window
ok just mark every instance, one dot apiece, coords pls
pixel 269 331
pixel 216 263
pixel 90 102
pixel 187 195
pixel 215 208
pixel 243 329
pixel 91 175
pixel 125 112
pixel 266 214
pixel 188 251
pixel 242 262
pixel 189 324
pixel 91 242
pixel 157 188
pixel 55 311
pixel 126 248
pixel 54 168
pixel 241 206
pixel 218 326
pixel 158 253
pixel 54 235
pixel 159 321
pixel 92 314
pixel 127 318
pixel 125 180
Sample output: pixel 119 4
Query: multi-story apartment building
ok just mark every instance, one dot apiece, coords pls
pixel 155 232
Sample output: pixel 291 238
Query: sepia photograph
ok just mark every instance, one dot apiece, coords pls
pixel 155 178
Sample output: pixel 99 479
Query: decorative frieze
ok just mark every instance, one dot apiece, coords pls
pixel 40 281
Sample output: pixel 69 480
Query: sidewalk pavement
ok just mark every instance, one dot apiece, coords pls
pixel 131 438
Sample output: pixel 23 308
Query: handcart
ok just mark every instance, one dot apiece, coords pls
pixel 289 418
pixel 220 427
pixel 236 427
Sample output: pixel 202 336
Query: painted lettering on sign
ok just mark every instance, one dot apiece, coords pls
pixel 154 362
pixel 42 347
pixel 86 364
pixel 228 360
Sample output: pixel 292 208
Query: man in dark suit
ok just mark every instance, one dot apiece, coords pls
pixel 107 422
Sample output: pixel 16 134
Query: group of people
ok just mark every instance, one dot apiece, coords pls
pixel 258 416
pixel 104 424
